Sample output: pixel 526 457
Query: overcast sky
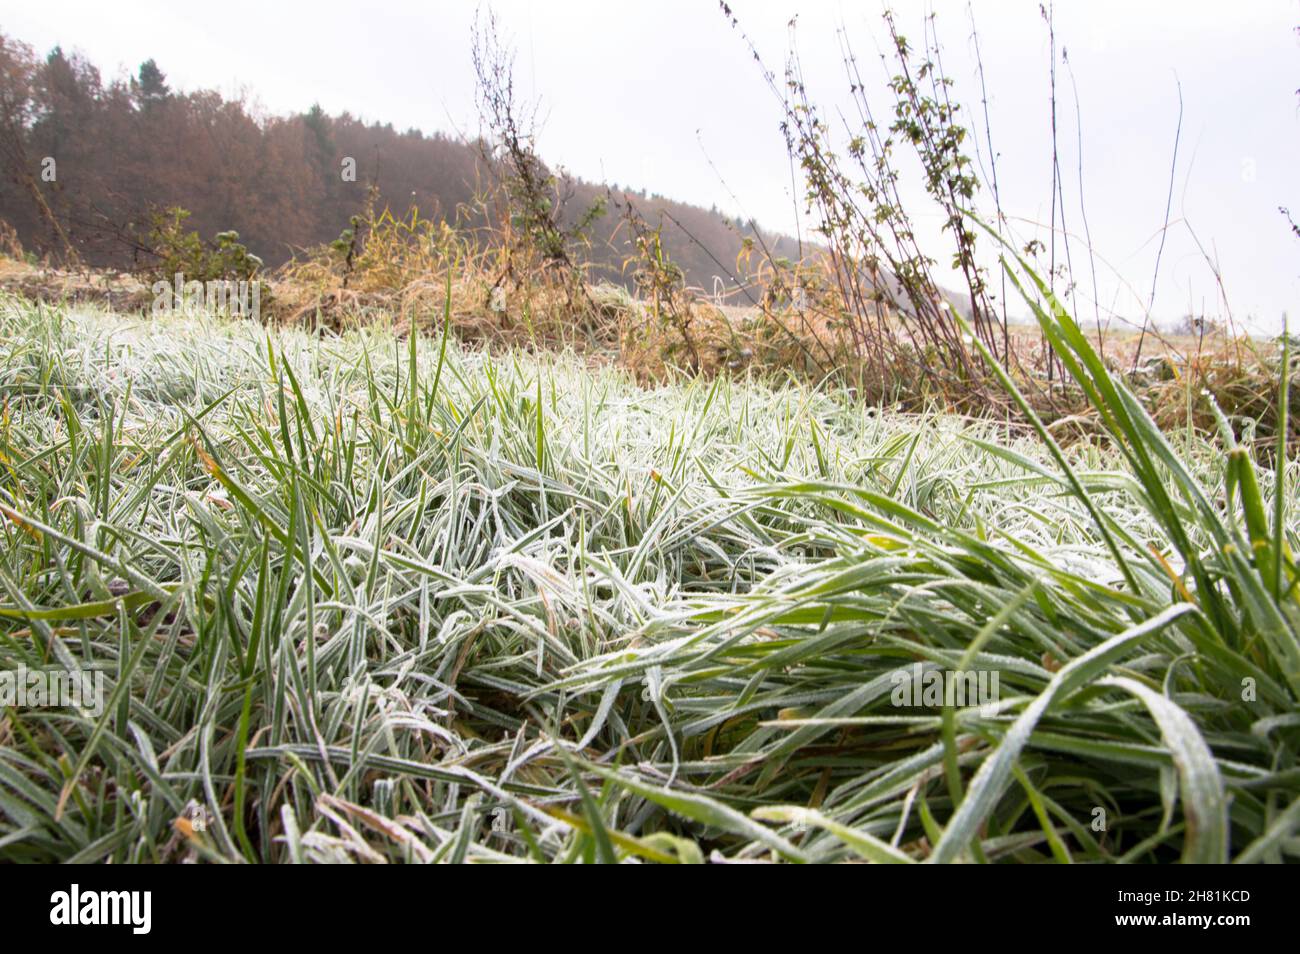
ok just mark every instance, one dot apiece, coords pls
pixel 665 96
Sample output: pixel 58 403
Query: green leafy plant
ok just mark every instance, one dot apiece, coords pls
pixel 173 250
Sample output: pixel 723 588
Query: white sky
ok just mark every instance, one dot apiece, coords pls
pixel 646 94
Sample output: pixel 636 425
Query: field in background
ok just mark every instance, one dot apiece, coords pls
pixel 402 283
pixel 370 598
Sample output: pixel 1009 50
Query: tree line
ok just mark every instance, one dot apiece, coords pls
pixel 89 163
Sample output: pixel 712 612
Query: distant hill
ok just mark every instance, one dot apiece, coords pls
pixel 85 160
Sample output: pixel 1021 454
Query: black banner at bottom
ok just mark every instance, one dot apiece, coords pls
pixel 142 904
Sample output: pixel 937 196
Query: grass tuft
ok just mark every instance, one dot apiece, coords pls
pixel 364 598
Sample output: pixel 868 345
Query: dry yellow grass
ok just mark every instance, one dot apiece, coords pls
pixel 408 272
